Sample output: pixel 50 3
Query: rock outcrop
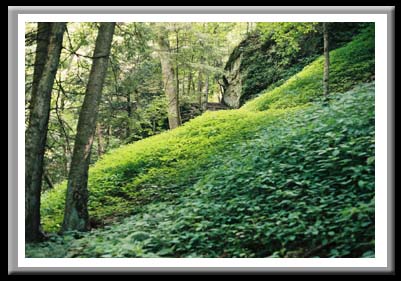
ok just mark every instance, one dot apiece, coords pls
pixel 256 64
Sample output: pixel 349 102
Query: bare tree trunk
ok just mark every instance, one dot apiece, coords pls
pixel 37 131
pixel 326 60
pixel 199 90
pixel 189 82
pixel 108 136
pixel 100 145
pixel 177 80
pixel 173 112
pixel 76 215
pixel 48 180
pixel 206 94
pixel 129 115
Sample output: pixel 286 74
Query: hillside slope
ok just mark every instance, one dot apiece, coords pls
pixel 282 176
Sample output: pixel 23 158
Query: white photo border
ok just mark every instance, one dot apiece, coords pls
pixel 381 235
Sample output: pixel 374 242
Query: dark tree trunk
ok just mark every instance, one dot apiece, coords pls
pixel 76 209
pixel 326 60
pixel 42 45
pixel 37 131
pixel 199 90
pixel 206 94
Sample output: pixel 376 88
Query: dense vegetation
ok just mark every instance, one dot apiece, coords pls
pixel 288 175
pixel 272 53
pixel 133 104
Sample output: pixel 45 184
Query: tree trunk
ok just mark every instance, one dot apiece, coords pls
pixel 37 131
pixel 206 94
pixel 100 145
pixel 173 112
pixel 76 211
pixel 326 60
pixel 129 115
pixel 48 180
pixel 199 90
pixel 42 45
pixel 177 80
pixel 108 136
pixel 189 83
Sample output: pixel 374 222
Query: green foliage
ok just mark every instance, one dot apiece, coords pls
pixel 296 180
pixel 287 35
pixel 350 65
pixel 302 186
pixel 159 167
pixel 277 51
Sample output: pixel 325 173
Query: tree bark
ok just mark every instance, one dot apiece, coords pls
pixel 189 83
pixel 173 111
pixel 129 115
pixel 100 145
pixel 76 215
pixel 177 80
pixel 42 46
pixel 199 90
pixel 206 94
pixel 48 180
pixel 326 60
pixel 37 131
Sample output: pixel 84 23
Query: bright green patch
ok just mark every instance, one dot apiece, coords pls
pixel 300 187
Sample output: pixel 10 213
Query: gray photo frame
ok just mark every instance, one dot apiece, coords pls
pixel 14 177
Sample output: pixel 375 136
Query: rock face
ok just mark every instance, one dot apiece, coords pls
pixel 233 84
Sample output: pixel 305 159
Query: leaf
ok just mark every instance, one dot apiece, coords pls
pixel 165 251
pixel 370 160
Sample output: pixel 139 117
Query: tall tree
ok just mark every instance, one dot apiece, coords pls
pixel 173 109
pixel 200 85
pixel 38 122
pixel 42 45
pixel 76 211
pixel 206 94
pixel 100 145
pixel 326 60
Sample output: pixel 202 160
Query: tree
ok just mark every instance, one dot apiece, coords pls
pixel 36 133
pixel 287 36
pixel 326 60
pixel 76 212
pixel 168 75
pixel 42 45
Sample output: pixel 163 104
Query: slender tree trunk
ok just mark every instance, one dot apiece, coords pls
pixel 177 80
pixel 76 209
pixel 173 112
pixel 108 136
pixel 100 145
pixel 189 83
pixel 48 180
pixel 326 60
pixel 206 94
pixel 66 159
pixel 199 90
pixel 129 115
pixel 37 131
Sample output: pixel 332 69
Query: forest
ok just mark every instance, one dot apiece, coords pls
pixel 199 139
